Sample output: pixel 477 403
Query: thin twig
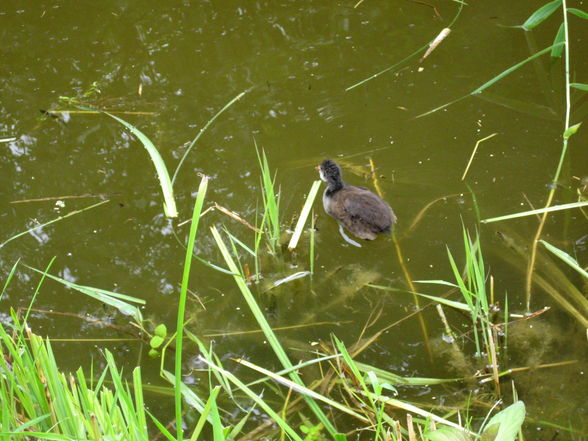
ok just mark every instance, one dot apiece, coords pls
pixel 54 198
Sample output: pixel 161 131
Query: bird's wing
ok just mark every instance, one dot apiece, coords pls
pixel 364 206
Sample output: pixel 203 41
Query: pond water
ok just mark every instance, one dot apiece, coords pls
pixel 179 65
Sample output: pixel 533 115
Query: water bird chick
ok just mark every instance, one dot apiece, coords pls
pixel 362 212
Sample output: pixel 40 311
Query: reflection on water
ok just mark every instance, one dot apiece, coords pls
pixel 177 66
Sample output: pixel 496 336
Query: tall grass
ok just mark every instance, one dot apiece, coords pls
pixel 271 203
pixel 182 304
pixel 38 401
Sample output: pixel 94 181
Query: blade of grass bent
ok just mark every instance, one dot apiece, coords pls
pixel 489 83
pixel 65 216
pixel 114 299
pixel 32 302
pixel 9 278
pixel 533 212
pixel 169 205
pixel 201 132
pixel 541 14
pixel 302 389
pixel 304 214
pixel 566 258
pixel 182 304
pixel 414 54
pixel 265 327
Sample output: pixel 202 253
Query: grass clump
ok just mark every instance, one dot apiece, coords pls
pixel 39 401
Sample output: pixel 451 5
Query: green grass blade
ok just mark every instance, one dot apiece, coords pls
pixel 169 205
pixel 204 415
pixel 580 86
pixel 201 132
pixel 303 390
pixel 571 131
pixel 566 258
pixel 414 54
pixel 304 214
pixel 578 13
pixel 388 69
pixel 9 278
pixel 72 213
pixel 450 303
pixel 513 68
pixel 541 14
pixel 559 38
pixel 271 201
pixel 32 302
pixel 538 211
pixel 161 427
pixel 190 397
pixel 495 79
pixel 182 303
pixel 114 299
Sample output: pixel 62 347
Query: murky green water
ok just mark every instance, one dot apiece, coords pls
pixel 181 63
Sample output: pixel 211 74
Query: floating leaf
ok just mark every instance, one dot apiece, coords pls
pixel 447 434
pixel 571 130
pixel 156 341
pixel 161 330
pixel 559 38
pixel 153 353
pixel 578 13
pixel 541 14
pixel 505 425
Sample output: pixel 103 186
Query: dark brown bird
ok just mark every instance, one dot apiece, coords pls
pixel 360 211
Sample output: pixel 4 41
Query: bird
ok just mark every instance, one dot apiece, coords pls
pixel 363 213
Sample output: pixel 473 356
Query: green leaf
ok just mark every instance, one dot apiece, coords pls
pixel 447 434
pixel 156 341
pixel 571 130
pixel 161 330
pixel 169 205
pixel 578 13
pixel 580 86
pixel 559 38
pixel 114 299
pixel 505 425
pixel 566 258
pixel 153 353
pixel 541 14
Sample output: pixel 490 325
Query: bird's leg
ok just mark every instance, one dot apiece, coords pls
pixel 347 238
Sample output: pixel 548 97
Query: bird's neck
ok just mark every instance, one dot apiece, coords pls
pixel 334 186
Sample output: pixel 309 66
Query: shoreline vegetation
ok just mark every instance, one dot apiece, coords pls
pixel 329 395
